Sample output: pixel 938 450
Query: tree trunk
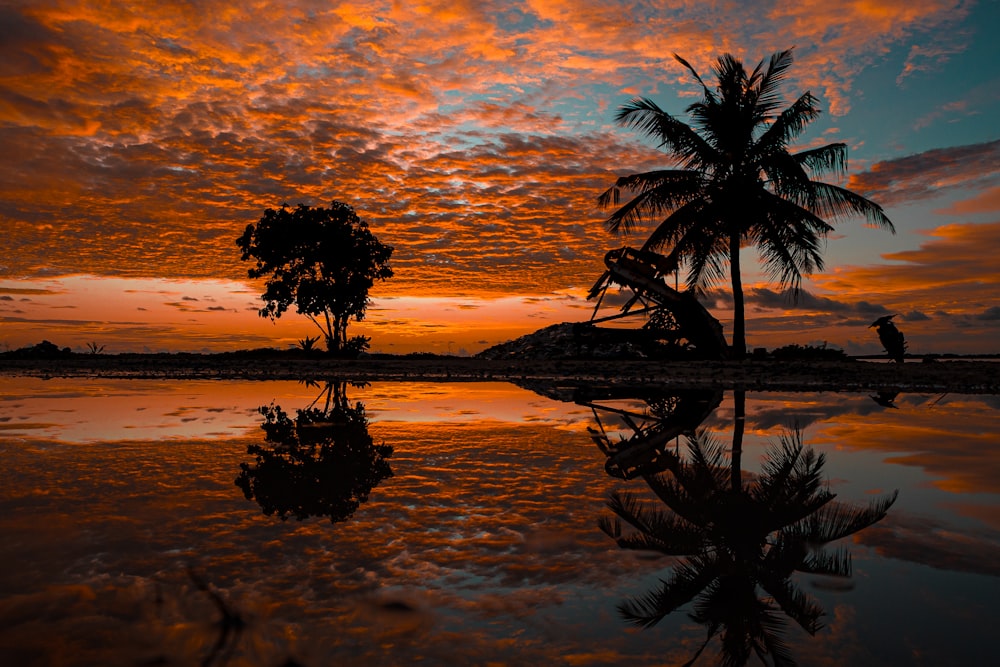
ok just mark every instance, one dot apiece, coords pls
pixel 739 424
pixel 331 333
pixel 739 349
pixel 343 321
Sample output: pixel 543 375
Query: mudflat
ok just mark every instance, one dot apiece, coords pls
pixel 949 375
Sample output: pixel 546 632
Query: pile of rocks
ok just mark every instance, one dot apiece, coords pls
pixel 577 340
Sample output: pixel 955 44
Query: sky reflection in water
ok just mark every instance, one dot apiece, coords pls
pixel 482 546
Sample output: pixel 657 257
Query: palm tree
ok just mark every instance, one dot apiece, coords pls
pixel 738 538
pixel 737 184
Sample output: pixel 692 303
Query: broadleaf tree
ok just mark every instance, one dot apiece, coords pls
pixel 323 260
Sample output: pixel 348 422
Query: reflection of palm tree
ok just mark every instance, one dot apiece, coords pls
pixel 737 536
pixel 887 399
pixel 322 463
pixel 739 184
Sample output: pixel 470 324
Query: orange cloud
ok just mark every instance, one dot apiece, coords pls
pixel 985 202
pixel 474 136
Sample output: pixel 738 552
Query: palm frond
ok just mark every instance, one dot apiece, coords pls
pixel 836 520
pixel 790 477
pixel 687 580
pixel 832 201
pixel 798 606
pixel 693 72
pixel 789 124
pixel 674 136
pixel 769 96
pixel 666 532
pixel 786 260
pixel 830 564
pixel 693 231
pixel 773 630
pixel 708 255
pixel 790 240
pixel 689 505
pixel 792 469
pixel 683 542
pixel 831 159
pixel 657 194
pixel 676 226
pixel 786 177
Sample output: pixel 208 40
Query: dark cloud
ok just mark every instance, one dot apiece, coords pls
pixel 805 300
pixel 930 174
pixel 925 541
pixel 990 314
pixel 28 290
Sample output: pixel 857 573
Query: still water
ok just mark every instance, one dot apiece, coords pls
pixel 281 523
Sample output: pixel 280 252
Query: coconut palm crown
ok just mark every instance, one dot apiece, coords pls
pixel 736 183
pixel 740 542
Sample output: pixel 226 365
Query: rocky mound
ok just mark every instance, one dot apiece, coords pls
pixel 578 340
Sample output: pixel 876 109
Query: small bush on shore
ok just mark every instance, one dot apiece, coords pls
pixel 43 350
pixel 808 353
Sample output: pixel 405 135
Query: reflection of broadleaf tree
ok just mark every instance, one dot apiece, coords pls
pixel 738 537
pixel 322 463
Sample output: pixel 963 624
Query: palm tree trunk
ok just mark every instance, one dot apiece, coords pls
pixel 739 348
pixel 739 424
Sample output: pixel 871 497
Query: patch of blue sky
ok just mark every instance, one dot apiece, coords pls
pixel 172 45
pixel 951 98
pixel 304 71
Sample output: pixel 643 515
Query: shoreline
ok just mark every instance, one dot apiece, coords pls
pixel 951 376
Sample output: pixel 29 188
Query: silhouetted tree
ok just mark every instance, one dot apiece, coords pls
pixel 738 185
pixel 324 260
pixel 322 463
pixel 740 541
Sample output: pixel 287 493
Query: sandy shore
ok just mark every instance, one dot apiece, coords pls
pixel 956 376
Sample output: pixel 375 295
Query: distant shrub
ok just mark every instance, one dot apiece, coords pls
pixel 308 343
pixel 43 350
pixel 355 346
pixel 808 352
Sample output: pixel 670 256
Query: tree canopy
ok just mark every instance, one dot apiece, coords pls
pixel 739 539
pixel 321 463
pixel 324 260
pixel 737 184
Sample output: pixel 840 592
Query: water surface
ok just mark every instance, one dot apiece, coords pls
pixel 454 524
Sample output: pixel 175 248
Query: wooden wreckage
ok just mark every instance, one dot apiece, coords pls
pixel 674 317
pixel 653 444
pixel 680 321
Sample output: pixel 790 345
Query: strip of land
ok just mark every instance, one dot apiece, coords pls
pixel 953 376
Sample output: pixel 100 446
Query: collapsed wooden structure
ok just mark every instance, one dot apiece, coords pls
pixel 655 430
pixel 676 316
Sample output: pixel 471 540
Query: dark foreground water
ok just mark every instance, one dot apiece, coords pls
pixel 212 523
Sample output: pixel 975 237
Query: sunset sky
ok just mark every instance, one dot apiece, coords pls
pixel 140 138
